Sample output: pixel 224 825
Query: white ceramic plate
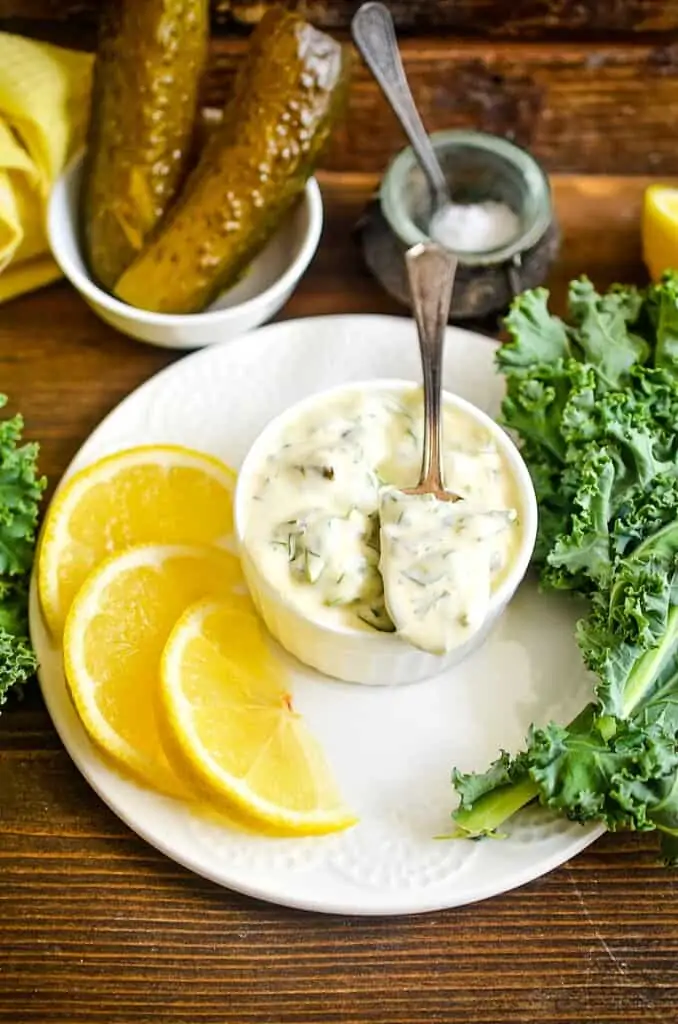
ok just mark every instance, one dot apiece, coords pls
pixel 392 749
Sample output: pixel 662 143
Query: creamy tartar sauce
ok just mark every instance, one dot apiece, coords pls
pixel 438 560
pixel 327 524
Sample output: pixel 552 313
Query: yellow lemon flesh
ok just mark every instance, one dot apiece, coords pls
pixel 660 229
pixel 113 643
pixel 227 718
pixel 158 494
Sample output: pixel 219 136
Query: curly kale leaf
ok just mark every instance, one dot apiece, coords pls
pixel 595 405
pixel 593 450
pixel 536 337
pixel 601 329
pixel 662 312
pixel 622 771
pixel 582 551
pixel 643 512
pixel 17 662
pixel 21 490
pixel 617 772
pixel 533 407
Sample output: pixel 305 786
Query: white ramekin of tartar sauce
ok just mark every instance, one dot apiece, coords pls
pixel 308 529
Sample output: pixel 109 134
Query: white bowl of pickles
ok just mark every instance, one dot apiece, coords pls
pixel 182 237
pixel 331 549
pixel 262 291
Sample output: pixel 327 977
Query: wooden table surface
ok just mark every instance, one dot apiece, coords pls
pixel 95 926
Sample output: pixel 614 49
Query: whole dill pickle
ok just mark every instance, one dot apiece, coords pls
pixel 286 99
pixel 146 76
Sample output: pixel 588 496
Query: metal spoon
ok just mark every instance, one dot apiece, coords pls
pixel 431 271
pixel 374 35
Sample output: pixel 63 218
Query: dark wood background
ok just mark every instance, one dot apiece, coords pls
pixel 588 85
pixel 537 18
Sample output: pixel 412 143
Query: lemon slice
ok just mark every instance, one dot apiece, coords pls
pixel 113 642
pixel 158 494
pixel 228 719
pixel 660 229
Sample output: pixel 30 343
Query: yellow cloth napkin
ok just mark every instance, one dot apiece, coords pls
pixel 44 107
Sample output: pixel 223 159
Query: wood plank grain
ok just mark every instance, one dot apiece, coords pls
pixel 157 945
pixel 98 928
pixel 522 18
pixel 579 108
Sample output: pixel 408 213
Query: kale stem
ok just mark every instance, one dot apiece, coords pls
pixel 493 809
pixel 648 666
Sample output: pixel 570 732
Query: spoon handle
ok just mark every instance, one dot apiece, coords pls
pixel 431 270
pixel 374 35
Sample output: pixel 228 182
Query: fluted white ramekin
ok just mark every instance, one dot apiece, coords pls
pixel 361 656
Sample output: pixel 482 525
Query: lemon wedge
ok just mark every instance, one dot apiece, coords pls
pixel 115 634
pixel 227 718
pixel 660 229
pixel 159 494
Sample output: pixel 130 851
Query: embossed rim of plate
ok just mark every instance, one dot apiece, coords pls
pixel 487 869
